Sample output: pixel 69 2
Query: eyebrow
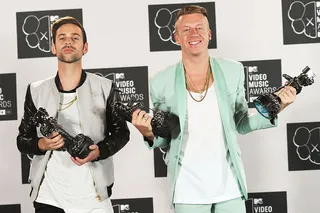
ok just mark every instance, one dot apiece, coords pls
pixel 189 25
pixel 63 34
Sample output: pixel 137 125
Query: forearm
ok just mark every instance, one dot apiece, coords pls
pixel 27 139
pixel 112 144
pixel 251 122
pixel 28 144
pixel 117 131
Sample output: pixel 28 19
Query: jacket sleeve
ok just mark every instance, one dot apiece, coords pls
pixel 118 133
pixel 246 122
pixel 157 101
pixel 27 139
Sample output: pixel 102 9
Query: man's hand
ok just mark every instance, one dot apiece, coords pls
pixel 53 142
pixel 287 96
pixel 142 121
pixel 94 154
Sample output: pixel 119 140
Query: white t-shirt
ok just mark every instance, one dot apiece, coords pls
pixel 205 176
pixel 67 185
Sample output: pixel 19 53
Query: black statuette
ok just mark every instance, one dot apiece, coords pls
pixel 164 124
pixel 77 146
pixel 268 105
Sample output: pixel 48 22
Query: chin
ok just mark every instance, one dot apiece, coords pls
pixel 196 53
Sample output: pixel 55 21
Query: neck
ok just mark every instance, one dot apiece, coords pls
pixel 69 75
pixel 196 64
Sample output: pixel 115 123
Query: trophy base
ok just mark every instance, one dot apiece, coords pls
pixel 268 106
pixel 80 146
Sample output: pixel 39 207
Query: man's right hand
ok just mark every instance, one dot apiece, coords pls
pixel 142 121
pixel 52 142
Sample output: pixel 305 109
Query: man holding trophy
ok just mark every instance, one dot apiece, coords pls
pixel 70 129
pixel 200 106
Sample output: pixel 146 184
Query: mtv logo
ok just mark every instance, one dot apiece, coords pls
pixel 120 76
pixel 253 98
pixel 54 18
pixel 253 69
pixel 257 201
pixel 124 207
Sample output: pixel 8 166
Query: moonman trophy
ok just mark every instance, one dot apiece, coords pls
pixel 77 146
pixel 164 124
pixel 268 105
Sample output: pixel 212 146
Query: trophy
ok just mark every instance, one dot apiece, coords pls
pixel 268 105
pixel 77 146
pixel 164 124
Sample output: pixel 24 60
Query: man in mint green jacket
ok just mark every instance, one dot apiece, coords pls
pixel 205 169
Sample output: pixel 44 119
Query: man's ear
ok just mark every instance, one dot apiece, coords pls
pixel 53 48
pixel 210 35
pixel 176 38
pixel 85 48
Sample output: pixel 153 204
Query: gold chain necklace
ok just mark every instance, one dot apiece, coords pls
pixel 67 105
pixel 206 86
pixel 192 85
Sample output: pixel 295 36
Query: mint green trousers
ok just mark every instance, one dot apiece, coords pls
pixel 230 206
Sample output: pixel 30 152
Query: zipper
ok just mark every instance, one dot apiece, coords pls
pixel 94 181
pixel 89 163
pixel 42 178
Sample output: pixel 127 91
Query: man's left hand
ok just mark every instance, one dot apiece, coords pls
pixel 287 96
pixel 94 154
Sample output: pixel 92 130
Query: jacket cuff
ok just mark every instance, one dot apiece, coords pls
pixel 104 151
pixel 150 142
pixel 36 148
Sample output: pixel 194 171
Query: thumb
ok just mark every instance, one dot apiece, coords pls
pixel 93 147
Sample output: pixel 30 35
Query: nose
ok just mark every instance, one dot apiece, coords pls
pixel 68 41
pixel 194 31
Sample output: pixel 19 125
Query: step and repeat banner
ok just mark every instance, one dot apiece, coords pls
pixel 129 42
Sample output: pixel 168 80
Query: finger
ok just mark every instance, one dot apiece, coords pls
pixel 75 161
pixel 146 118
pixel 284 98
pixel 292 90
pixel 290 98
pixel 53 135
pixel 141 117
pixel 291 93
pixel 56 138
pixel 135 116
pixel 288 89
pixel 283 90
pixel 92 155
pixel 279 92
pixel 148 122
pixel 93 147
pixel 83 161
pixel 58 144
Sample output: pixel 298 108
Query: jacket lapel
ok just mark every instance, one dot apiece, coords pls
pixel 181 94
pixel 222 93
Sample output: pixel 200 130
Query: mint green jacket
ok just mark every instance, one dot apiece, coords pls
pixel 168 92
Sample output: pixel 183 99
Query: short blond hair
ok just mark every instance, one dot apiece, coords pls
pixel 191 9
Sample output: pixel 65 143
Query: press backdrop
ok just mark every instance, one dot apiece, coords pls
pixel 130 41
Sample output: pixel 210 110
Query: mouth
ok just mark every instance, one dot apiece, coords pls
pixel 194 43
pixel 67 50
